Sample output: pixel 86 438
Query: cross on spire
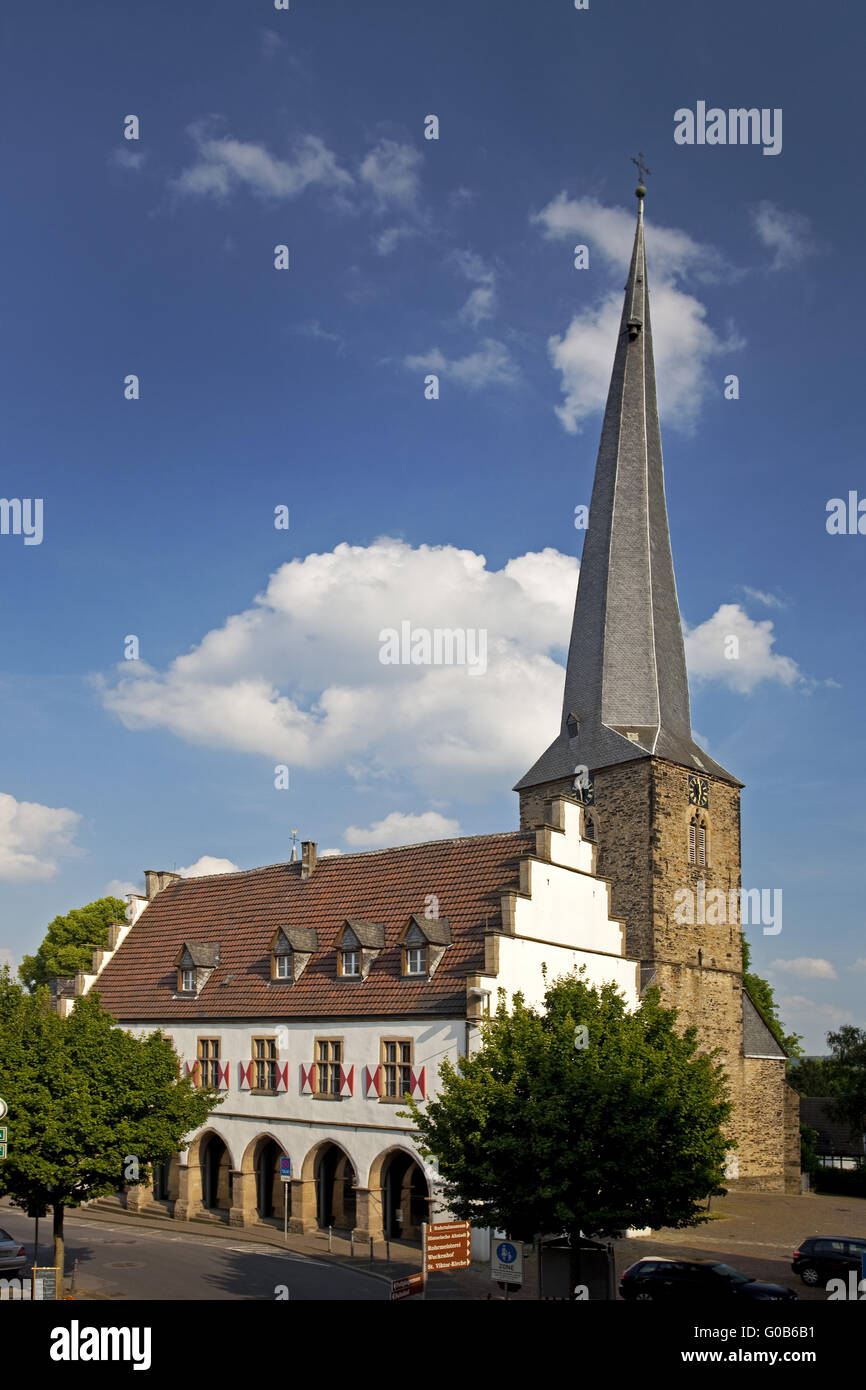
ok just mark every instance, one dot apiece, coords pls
pixel 641 167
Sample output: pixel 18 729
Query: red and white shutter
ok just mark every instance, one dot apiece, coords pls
pixel 416 1082
pixel 223 1076
pixel 193 1069
pixel 371 1080
pixel 347 1082
pixel 245 1076
pixel 282 1076
pixel 308 1076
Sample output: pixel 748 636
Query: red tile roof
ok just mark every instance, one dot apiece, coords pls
pixel 242 911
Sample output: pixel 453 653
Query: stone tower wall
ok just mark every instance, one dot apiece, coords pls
pixel 642 815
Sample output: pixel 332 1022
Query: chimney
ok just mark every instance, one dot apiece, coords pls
pixel 308 859
pixel 157 879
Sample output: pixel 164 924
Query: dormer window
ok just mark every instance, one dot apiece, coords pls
pixel 358 945
pixel 424 942
pixel 350 964
pixel 572 726
pixel 195 962
pixel 416 960
pixel 291 949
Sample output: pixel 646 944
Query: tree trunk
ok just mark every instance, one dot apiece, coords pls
pixel 58 1246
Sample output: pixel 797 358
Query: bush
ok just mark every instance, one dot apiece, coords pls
pixel 843 1182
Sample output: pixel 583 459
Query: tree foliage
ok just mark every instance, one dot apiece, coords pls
pixel 848 1065
pixel 70 941
pixel 764 1000
pixel 535 1134
pixel 85 1096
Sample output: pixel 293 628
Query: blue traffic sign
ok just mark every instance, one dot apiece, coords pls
pixel 285 1168
pixel 506 1252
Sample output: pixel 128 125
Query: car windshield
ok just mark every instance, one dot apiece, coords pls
pixel 4 1235
pixel 733 1276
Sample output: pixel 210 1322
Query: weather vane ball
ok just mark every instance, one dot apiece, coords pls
pixel 642 169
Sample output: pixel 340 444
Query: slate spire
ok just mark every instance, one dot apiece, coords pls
pixel 626 688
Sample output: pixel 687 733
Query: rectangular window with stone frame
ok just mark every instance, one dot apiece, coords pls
pixel 265 1064
pixel 208 1054
pixel 397 1057
pixel 329 1058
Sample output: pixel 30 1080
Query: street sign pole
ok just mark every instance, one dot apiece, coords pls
pixel 424 1259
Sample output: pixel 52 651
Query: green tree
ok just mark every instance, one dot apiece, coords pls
pixel 537 1134
pixel 848 1056
pixel 764 1000
pixel 814 1076
pixel 85 1097
pixel 70 941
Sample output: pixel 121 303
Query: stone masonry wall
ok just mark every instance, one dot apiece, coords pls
pixel 642 815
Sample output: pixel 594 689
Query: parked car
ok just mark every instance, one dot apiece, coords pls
pixel 662 1277
pixel 12 1252
pixel 828 1257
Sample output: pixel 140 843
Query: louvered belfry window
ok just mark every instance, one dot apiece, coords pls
pixel 702 844
pixel 692 841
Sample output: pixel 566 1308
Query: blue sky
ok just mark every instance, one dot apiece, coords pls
pixel 305 388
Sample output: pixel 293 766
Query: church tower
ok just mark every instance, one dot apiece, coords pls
pixel 664 815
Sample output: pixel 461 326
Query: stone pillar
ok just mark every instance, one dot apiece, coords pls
pixel 188 1191
pixel 304 1215
pixel 243 1210
pixel 140 1197
pixel 369 1213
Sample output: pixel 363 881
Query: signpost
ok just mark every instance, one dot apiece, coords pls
pixel 506 1265
pixel 44 1281
pixel 285 1176
pixel 4 1131
pixel 3 1108
pixel 406 1288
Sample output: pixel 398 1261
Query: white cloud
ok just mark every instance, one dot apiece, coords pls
pixel 33 838
pixel 387 242
pixel 685 345
pixel 481 303
pixel 806 968
pixel 391 172
pixel 207 864
pixel 7 958
pixel 860 964
pixel 328 853
pixel 786 234
pixel 119 888
pixel 490 365
pixel 313 329
pixel 270 41
pixel 125 158
pixel 706 646
pixel 400 828
pixel 760 596
pixel 297 678
pixel 799 1013
pixel 224 164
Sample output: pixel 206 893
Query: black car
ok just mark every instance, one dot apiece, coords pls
pixel 828 1257
pixel 661 1277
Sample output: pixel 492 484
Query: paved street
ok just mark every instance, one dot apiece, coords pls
pixel 124 1263
pixel 123 1257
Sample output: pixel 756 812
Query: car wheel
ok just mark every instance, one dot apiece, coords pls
pixel 646 1297
pixel 810 1276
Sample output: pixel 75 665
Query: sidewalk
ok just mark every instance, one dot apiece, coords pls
pixel 458 1284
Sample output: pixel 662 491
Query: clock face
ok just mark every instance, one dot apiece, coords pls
pixel 699 791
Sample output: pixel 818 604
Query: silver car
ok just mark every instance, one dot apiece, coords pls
pixel 12 1252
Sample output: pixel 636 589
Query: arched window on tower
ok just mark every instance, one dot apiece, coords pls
pixel 588 827
pixel 698 840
